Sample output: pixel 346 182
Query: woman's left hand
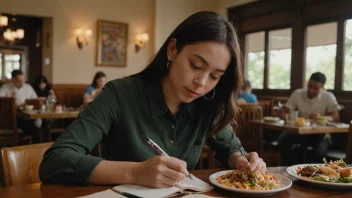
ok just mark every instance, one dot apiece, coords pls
pixel 255 163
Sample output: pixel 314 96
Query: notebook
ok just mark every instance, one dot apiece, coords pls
pixel 187 186
pixel 104 194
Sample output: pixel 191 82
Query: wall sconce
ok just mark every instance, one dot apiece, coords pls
pixel 83 37
pixel 141 41
pixel 3 21
pixel 13 36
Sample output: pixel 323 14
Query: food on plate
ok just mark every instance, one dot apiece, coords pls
pixel 271 119
pixel 300 121
pixel 321 120
pixel 336 172
pixel 249 180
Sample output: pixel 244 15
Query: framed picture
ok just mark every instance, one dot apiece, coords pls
pixel 111 44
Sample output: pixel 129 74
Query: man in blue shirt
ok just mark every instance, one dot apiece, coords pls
pixel 246 93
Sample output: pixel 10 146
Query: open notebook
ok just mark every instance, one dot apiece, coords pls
pixel 187 186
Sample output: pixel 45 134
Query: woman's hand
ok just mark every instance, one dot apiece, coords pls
pixel 255 163
pixel 160 172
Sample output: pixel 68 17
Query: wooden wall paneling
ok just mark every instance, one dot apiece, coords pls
pixel 340 54
pixel 264 7
pixel 266 60
pixel 298 55
pixel 327 9
pixel 271 21
pixel 70 95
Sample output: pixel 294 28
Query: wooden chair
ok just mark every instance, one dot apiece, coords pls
pixel 21 163
pixel 206 156
pixel 250 136
pixel 349 146
pixel 244 131
pixel 266 107
pixel 37 103
pixel 9 133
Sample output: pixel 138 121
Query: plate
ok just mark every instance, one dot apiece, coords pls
pixel 271 119
pixel 306 125
pixel 292 171
pixel 285 183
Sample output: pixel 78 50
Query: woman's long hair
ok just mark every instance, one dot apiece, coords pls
pixel 202 27
pixel 40 79
pixel 96 77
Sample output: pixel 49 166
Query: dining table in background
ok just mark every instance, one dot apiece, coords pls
pixel 45 116
pixel 291 128
pixel 298 189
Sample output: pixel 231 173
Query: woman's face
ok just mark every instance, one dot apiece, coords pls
pixel 197 68
pixel 42 85
pixel 101 82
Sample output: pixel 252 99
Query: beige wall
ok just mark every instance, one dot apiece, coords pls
pixel 170 13
pixel 71 65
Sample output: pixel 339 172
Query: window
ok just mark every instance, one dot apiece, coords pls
pixel 321 51
pixel 254 46
pixel 279 59
pixel 8 63
pixel 347 79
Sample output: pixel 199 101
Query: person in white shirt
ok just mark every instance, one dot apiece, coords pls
pixel 310 103
pixel 18 88
pixel 22 91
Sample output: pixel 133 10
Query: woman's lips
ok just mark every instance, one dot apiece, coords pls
pixel 191 93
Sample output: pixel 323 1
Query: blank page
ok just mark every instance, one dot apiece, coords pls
pixel 104 194
pixel 146 192
pixel 195 184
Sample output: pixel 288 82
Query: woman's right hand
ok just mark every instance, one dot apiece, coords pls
pixel 159 172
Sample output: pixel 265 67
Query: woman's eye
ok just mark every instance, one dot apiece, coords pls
pixel 213 77
pixel 194 66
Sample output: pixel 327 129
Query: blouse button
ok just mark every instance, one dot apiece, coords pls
pixel 173 126
pixel 171 142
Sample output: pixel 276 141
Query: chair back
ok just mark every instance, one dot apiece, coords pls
pixel 8 118
pixel 37 102
pixel 349 146
pixel 266 107
pixel 21 163
pixel 248 134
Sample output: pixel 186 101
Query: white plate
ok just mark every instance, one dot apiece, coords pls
pixel 292 171
pixel 271 119
pixel 285 183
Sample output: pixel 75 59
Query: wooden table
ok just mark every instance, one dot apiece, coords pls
pixel 314 129
pixel 32 115
pixel 49 115
pixel 298 189
pixel 290 128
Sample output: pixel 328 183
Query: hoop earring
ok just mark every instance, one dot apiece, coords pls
pixel 211 96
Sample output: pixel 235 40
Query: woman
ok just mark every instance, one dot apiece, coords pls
pixel 41 86
pixel 95 88
pixel 184 95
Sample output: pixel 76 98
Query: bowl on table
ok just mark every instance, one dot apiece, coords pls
pixel 28 107
pixel 321 120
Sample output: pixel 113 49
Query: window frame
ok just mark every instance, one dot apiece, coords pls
pixel 276 14
pixel 266 58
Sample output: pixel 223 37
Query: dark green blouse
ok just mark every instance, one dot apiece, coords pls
pixel 125 111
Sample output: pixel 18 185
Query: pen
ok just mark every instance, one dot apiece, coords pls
pixel 160 151
pixel 243 155
pixel 125 194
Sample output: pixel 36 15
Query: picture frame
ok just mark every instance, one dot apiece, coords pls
pixel 111 48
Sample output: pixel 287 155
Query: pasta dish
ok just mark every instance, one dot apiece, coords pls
pixel 248 180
